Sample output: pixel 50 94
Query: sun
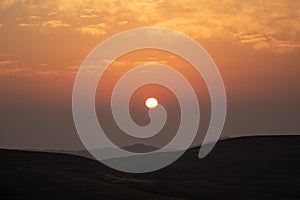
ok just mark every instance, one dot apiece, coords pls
pixel 151 102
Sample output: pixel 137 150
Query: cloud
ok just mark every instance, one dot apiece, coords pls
pixel 28 24
pixel 258 24
pixel 4 63
pixel 46 24
pixel 4 4
pixel 9 66
pixel 93 29
pixel 84 16
pixel 16 67
pixel 9 71
pixel 122 23
pixel 54 24
pixel 34 17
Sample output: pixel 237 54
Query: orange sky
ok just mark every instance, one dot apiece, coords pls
pixel 255 44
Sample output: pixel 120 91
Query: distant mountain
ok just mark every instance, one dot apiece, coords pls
pixel 140 148
pixel 137 148
pixel 239 168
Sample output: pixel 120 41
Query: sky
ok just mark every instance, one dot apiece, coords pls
pixel 255 44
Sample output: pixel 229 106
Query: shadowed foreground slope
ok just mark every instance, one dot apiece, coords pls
pixel 239 168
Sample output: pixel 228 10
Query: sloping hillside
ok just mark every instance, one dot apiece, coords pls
pixel 238 168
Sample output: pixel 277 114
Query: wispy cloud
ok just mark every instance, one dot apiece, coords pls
pixel 272 26
pixel 34 17
pixel 4 63
pixel 28 24
pixel 122 23
pixel 15 68
pixel 93 29
pixel 46 24
pixel 54 23
pixel 260 24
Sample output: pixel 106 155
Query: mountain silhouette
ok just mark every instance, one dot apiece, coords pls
pixel 262 167
pixel 140 148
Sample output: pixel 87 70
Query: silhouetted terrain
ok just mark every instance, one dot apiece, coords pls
pixel 265 167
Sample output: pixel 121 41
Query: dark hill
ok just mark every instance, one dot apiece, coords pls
pixel 266 167
pixel 140 148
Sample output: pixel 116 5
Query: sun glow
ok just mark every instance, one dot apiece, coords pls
pixel 151 103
